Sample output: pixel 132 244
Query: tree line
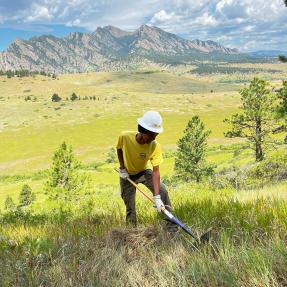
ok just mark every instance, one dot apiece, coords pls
pixel 26 73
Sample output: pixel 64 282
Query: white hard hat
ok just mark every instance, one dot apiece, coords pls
pixel 151 121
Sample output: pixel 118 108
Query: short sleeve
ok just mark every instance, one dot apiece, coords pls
pixel 120 142
pixel 156 157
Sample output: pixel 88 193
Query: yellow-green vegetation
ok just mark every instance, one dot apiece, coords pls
pixel 87 244
pixel 81 240
pixel 32 130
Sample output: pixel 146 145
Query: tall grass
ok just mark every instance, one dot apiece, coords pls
pixel 88 244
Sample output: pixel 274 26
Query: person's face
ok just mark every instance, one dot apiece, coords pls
pixel 148 138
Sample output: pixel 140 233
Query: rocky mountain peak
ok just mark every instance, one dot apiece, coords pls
pixel 116 32
pixel 107 48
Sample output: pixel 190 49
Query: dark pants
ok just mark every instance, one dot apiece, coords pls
pixel 128 193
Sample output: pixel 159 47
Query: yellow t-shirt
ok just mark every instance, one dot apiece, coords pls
pixel 136 156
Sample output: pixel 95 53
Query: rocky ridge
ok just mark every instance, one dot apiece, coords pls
pixel 106 49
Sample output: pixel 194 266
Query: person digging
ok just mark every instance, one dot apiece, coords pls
pixel 134 151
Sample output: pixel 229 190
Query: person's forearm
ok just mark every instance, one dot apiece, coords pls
pixel 156 181
pixel 121 158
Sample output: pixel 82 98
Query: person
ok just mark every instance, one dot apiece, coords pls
pixel 134 151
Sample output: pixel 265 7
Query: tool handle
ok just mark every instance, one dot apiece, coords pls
pixel 139 189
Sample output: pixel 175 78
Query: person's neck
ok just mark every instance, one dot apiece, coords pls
pixel 139 138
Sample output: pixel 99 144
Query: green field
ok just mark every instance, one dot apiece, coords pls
pixel 84 243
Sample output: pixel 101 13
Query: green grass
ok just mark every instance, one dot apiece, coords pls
pixel 86 247
pixel 85 242
pixel 33 130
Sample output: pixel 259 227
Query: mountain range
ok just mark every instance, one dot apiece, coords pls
pixel 107 49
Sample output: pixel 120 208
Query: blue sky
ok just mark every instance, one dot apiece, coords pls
pixel 244 24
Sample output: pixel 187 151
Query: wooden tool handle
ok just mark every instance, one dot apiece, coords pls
pixel 136 186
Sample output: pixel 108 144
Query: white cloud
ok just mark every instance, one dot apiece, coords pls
pixel 249 46
pixel 206 20
pixel 39 13
pixel 248 28
pixel 234 22
pixel 76 22
pixel 162 16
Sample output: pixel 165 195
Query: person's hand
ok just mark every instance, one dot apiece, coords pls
pixel 158 203
pixel 123 173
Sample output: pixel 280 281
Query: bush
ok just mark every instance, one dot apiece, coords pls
pixel 73 97
pixel 273 168
pixel 56 98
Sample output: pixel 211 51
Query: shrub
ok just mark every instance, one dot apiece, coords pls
pixel 56 98
pixel 273 168
pixel 73 97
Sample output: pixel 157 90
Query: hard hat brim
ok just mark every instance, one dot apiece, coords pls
pixel 151 129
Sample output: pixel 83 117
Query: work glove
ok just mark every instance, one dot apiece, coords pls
pixel 123 173
pixel 158 203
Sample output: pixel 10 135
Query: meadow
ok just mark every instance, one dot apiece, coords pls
pixel 85 242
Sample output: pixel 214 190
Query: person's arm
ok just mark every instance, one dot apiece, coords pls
pixel 156 184
pixel 156 179
pixel 121 158
pixel 123 172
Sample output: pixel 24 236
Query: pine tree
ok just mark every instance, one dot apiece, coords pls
pixel 64 168
pixel 282 58
pixel 26 196
pixel 257 120
pixel 9 204
pixel 282 107
pixel 111 156
pixel 283 100
pixel 73 97
pixel 190 163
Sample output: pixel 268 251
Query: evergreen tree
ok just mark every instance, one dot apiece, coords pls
pixel 64 168
pixel 257 120
pixel 190 163
pixel 9 204
pixel 111 156
pixel 283 100
pixel 56 98
pixel 26 196
pixel 282 108
pixel 73 97
pixel 282 58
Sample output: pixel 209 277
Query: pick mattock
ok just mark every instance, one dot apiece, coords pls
pixel 205 237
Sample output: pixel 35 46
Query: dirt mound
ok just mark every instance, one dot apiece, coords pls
pixel 134 237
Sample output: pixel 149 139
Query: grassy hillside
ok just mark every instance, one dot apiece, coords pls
pixel 31 130
pixel 83 241
pixel 87 244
